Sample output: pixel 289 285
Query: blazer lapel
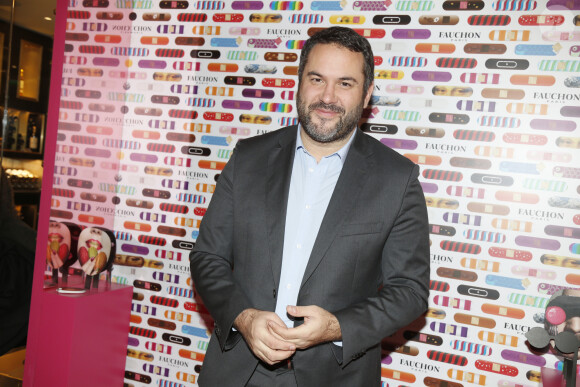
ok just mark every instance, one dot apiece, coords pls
pixel 278 172
pixel 351 179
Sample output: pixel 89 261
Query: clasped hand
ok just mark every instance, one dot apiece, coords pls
pixel 271 341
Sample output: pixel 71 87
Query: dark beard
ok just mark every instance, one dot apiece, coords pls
pixel 343 128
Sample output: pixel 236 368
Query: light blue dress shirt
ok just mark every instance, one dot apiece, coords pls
pixel 311 186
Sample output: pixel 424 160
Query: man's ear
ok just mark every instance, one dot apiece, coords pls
pixel 369 94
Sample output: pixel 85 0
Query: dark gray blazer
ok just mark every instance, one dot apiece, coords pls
pixel 369 265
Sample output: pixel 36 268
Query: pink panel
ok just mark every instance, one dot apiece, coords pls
pixel 84 338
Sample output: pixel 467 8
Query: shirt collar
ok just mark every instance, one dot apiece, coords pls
pixel 341 153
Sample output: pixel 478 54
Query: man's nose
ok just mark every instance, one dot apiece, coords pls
pixel 328 94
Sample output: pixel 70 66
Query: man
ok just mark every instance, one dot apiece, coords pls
pixel 315 244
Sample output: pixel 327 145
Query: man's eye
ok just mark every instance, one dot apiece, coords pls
pixel 346 84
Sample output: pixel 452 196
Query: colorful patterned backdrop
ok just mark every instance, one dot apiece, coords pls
pixel 483 95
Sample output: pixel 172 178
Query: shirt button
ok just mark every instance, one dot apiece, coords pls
pixel 289 286
pixel 310 169
pixel 298 246
pixel 308 206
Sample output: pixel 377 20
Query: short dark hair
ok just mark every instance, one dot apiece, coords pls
pixel 342 37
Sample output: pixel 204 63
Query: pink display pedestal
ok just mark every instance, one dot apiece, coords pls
pixel 84 338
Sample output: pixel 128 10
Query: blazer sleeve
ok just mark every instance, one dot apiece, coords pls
pixel 212 260
pixel 405 279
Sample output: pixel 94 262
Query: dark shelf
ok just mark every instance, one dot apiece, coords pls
pixel 22 155
pixel 26 197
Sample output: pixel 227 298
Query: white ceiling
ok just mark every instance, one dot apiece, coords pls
pixel 30 14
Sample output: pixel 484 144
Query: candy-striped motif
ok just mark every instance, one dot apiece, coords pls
pixel 410 5
pixel 398 115
pixel 484 236
pixel 134 4
pixel 275 107
pixel 438 174
pixel 169 53
pixel 286 5
pixel 474 135
pixel 201 102
pixel 78 14
pixel 559 65
pixel 180 209
pixel 149 333
pixel 468 248
pixel 456 63
pixel 71 105
pixel 306 18
pixel 117 188
pixel 192 17
pixel 121 144
pixel 123 236
pixel 524 299
pixel 286 121
pixel 242 55
pixel 295 44
pixel 125 97
pixel 158 147
pixel 439 286
pixel 181 292
pixel 514 5
pixel 164 301
pixel 169 383
pixel 182 113
pixel 465 346
pixel 209 5
pixel 545 185
pixel 129 51
pixel 224 153
pixel 191 198
pixel 447 357
pixel 489 20
pixel 408 61
pixel 501 122
pixel 85 140
pixel 152 240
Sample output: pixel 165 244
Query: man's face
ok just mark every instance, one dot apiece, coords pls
pixel 330 97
